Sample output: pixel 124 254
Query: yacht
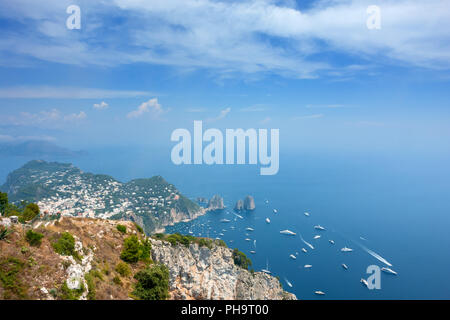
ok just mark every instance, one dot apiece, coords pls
pixel 319 227
pixel 306 214
pixel 344 266
pixel 288 232
pixel 304 250
pixel 316 237
pixel 252 252
pixel 364 282
pixel 292 256
pixel 225 220
pixel 345 249
pixel 320 293
pixel 331 241
pixel 249 229
pixel 247 239
pixel 267 220
pixel 388 270
pixel 275 211
pixel 307 266
pixel 288 283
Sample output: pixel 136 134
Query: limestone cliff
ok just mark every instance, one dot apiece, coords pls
pixel 195 272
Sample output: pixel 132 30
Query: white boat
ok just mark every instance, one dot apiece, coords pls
pixel 267 201
pixel 344 266
pixel 266 270
pixel 316 237
pixel 190 232
pixel 225 220
pixel 275 210
pixel 292 256
pixel 319 227
pixel 288 283
pixel 306 214
pixel 247 239
pixel 249 229
pixel 252 252
pixel 388 270
pixel 345 249
pixel 267 220
pixel 364 282
pixel 288 232
pixel 304 250
pixel 331 241
pixel 307 266
pixel 221 234
pixel 320 293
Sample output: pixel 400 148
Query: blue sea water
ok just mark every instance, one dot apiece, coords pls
pixel 396 205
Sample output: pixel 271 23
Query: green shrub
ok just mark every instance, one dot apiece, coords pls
pixel 152 283
pixel 241 260
pixel 66 245
pixel 4 232
pixel 123 269
pixel 134 250
pixel 121 228
pixel 139 228
pixel 117 280
pixel 70 294
pixel 13 287
pixel 34 238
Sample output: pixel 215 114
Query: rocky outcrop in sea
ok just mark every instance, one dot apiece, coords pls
pixel 239 205
pixel 249 203
pixel 216 203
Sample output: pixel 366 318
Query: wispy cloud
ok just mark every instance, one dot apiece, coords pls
pixel 48 92
pixel 11 139
pixel 324 106
pixel 223 113
pixel 233 36
pixel 310 116
pixel 53 118
pixel 152 107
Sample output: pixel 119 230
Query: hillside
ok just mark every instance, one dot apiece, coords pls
pixel 94 269
pixel 62 188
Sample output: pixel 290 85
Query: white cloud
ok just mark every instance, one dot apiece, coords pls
pixel 53 118
pixel 101 105
pixel 235 36
pixel 151 106
pixel 311 116
pixel 265 120
pixel 49 92
pixel 223 113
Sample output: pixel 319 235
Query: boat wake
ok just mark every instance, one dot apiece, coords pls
pixel 375 255
pixel 307 243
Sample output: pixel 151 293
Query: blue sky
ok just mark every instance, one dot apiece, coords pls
pixel 310 68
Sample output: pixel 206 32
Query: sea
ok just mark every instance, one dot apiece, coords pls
pixel 391 209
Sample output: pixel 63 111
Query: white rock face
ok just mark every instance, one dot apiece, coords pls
pixel 202 273
pixel 6 222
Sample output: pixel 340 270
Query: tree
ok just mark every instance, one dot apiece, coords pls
pixel 131 250
pixel 152 283
pixel 3 203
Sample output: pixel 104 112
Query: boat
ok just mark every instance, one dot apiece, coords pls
pixel 249 229
pixel 345 249
pixel 288 232
pixel 266 270
pixel 253 252
pixel 267 201
pixel 225 220
pixel 320 293
pixel 288 283
pixel 275 211
pixel 316 237
pixel 304 250
pixel 307 266
pixel 319 227
pixel 292 256
pixel 389 270
pixel 344 266
pixel 267 220
pixel 247 239
pixel 331 241
pixel 306 214
pixel 364 282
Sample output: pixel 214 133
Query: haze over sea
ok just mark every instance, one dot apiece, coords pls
pixel 394 205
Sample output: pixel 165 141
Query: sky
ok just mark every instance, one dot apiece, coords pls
pixel 138 69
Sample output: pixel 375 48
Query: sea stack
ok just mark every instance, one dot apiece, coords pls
pixel 239 205
pixel 249 203
pixel 216 203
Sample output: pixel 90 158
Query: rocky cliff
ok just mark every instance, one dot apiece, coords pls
pixel 195 272
pixel 216 203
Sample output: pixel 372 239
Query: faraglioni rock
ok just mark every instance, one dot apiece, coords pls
pixel 216 203
pixel 239 205
pixel 249 203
